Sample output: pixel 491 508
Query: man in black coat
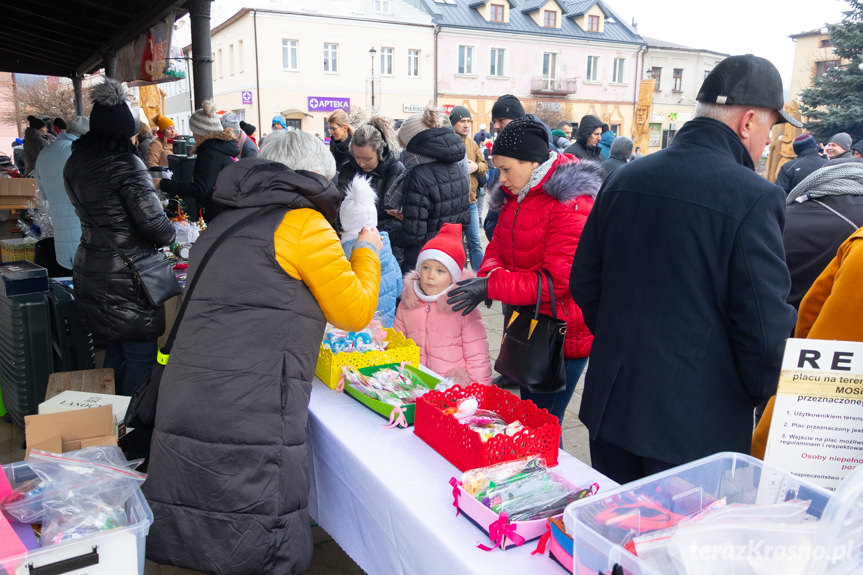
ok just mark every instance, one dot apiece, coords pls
pixel 586 145
pixel 680 274
pixel 820 215
pixel 793 172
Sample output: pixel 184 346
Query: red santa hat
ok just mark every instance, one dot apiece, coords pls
pixel 447 248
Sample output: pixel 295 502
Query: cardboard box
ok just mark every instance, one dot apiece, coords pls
pixel 72 400
pixel 22 278
pixel 18 187
pixel 70 430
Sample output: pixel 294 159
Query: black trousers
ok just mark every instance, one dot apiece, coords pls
pixel 621 465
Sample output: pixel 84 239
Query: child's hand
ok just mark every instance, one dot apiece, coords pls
pixel 372 236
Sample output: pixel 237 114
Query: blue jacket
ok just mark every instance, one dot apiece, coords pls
pixel 680 274
pixel 49 172
pixel 391 280
pixel 605 142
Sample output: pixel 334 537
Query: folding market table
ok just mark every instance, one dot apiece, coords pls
pixel 384 496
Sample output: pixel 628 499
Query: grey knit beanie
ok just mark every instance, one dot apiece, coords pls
pixel 204 121
pixel 622 146
pixel 229 120
pixel 458 113
pixel 78 126
pixel 842 139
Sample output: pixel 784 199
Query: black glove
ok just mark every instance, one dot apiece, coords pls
pixel 469 294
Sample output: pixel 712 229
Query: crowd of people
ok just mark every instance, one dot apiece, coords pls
pixel 677 273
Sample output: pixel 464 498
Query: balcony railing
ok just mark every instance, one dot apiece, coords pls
pixel 559 86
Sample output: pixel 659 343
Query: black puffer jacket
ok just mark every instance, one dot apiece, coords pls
pixel 341 151
pixel 106 178
pixel 213 154
pixel 228 478
pixel 795 171
pixel 381 178
pixel 579 148
pixel 813 234
pixel 433 193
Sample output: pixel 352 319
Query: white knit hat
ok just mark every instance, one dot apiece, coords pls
pixel 358 208
pixel 205 121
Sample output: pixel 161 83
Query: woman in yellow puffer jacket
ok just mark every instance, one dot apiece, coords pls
pixel 228 456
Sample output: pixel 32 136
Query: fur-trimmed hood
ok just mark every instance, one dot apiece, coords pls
pixel 226 135
pixel 569 180
pixel 411 300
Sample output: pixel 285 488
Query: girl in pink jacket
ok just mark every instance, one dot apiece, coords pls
pixel 452 345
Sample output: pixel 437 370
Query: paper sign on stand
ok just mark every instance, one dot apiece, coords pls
pixel 817 426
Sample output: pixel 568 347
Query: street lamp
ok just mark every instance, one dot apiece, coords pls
pixel 372 53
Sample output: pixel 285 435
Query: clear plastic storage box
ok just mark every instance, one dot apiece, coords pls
pixel 601 526
pixel 118 551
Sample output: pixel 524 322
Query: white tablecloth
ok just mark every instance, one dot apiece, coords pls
pixel 384 496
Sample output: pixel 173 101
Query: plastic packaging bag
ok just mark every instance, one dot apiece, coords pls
pixel 371 338
pixel 85 491
pixel 524 489
pixel 24 503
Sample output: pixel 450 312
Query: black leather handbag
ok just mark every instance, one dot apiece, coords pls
pixel 153 272
pixel 531 353
pixel 141 412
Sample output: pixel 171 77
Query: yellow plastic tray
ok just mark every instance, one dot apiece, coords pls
pixel 400 349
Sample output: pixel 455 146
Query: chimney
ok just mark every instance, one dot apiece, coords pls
pixel 634 25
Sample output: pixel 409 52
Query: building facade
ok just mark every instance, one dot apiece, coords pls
pixel 562 58
pixel 813 56
pixel 306 58
pixel 678 72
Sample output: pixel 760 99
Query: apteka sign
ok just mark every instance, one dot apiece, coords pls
pixel 322 104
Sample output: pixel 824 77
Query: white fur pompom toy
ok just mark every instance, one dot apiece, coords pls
pixel 358 208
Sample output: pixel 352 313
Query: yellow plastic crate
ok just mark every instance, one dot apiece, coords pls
pixel 400 349
pixel 18 249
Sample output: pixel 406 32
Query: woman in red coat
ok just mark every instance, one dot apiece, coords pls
pixel 544 198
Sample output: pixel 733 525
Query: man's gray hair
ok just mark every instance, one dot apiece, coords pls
pixel 299 151
pixel 726 114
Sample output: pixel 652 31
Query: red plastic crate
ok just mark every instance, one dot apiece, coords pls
pixel 463 447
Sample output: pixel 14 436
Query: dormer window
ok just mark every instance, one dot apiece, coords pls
pixel 549 19
pixel 496 13
pixel 593 23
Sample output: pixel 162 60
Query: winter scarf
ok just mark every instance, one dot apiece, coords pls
pixel 538 175
pixel 844 179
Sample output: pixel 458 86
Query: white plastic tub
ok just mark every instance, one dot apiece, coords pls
pixel 117 551
pixel 684 490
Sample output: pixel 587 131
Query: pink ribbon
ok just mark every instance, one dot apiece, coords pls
pixel 397 421
pixel 543 541
pixel 340 386
pixel 500 531
pixel 455 493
